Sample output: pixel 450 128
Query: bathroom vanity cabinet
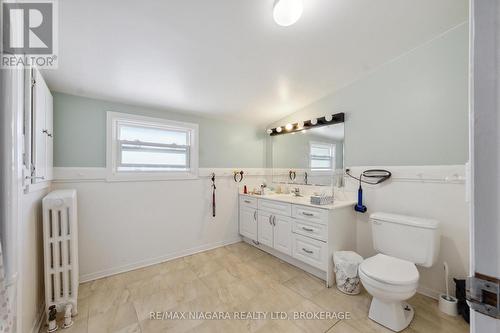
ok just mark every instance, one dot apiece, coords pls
pixel 298 232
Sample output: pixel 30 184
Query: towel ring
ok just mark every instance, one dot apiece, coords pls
pixel 238 176
pixel 292 175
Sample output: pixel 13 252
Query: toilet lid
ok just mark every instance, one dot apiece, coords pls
pixel 390 270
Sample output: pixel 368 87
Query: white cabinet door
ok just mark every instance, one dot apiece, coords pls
pixel 42 131
pixel 248 222
pixel 39 143
pixel 265 229
pixel 49 125
pixel 283 234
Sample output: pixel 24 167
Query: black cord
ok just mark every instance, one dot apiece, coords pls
pixel 381 175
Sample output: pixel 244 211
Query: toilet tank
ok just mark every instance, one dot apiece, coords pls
pixel 406 237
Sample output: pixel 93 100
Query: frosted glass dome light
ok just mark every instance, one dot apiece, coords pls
pixel 287 12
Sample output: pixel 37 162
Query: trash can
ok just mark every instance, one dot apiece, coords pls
pixel 346 271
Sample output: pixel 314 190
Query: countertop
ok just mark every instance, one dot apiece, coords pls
pixel 305 200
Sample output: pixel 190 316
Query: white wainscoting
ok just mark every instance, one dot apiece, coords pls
pixel 128 225
pixel 437 192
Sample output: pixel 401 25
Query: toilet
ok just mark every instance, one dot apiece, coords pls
pixel 391 276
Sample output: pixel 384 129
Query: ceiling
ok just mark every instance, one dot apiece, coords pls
pixel 227 58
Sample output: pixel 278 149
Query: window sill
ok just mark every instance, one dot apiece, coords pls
pixel 147 176
pixel 36 187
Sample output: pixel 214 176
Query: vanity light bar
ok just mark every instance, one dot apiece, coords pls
pixel 308 124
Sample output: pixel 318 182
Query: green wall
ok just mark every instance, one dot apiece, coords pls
pixel 410 111
pixel 80 134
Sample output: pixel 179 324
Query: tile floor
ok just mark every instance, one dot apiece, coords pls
pixel 235 278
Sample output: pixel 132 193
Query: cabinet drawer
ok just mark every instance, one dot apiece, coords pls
pixel 310 214
pixel 310 229
pixel 247 201
pixel 275 207
pixel 310 251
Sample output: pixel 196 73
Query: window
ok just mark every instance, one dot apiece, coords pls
pixel 321 156
pixel 142 148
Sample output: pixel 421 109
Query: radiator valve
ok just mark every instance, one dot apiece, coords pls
pixel 68 321
pixel 52 319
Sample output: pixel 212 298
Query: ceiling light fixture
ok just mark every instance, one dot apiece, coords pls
pixel 302 126
pixel 287 12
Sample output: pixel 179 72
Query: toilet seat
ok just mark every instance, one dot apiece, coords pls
pixel 390 281
pixel 389 270
pixel 386 290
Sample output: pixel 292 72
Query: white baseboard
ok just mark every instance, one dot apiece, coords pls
pixel 39 319
pixel 154 261
pixel 292 261
pixel 428 292
pixel 141 264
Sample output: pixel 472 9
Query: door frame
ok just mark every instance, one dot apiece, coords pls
pixel 484 127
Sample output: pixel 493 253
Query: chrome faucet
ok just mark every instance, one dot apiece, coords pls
pixel 296 191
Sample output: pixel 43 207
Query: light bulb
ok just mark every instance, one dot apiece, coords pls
pixel 287 12
pixel 269 131
pixel 289 127
pixel 328 117
pixel 278 129
pixel 314 121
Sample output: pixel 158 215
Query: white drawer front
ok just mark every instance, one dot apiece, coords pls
pixel 246 201
pixel 311 229
pixel 275 207
pixel 310 214
pixel 310 251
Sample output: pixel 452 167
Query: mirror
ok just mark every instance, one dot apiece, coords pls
pixel 309 157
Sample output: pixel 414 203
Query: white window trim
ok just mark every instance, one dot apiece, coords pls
pixel 333 158
pixel 112 174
